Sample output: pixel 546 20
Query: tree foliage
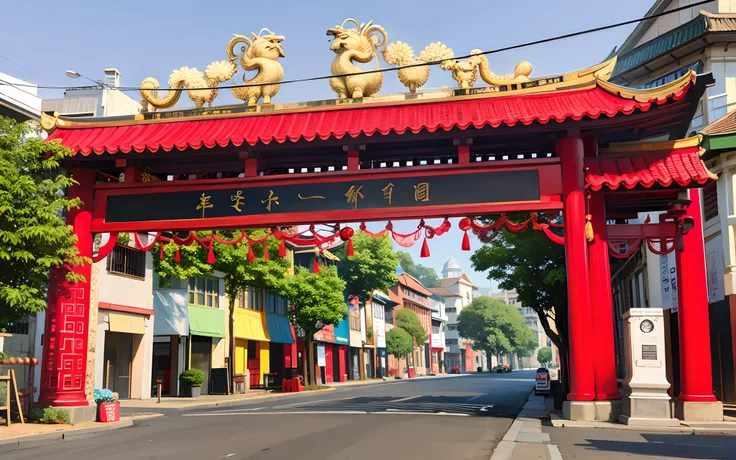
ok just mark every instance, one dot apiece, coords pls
pixel 495 327
pixel 535 266
pixel 34 237
pixel 372 267
pixel 426 275
pixel 318 301
pixel 544 355
pixel 398 342
pixel 409 321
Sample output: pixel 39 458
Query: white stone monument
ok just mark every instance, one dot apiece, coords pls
pixel 646 402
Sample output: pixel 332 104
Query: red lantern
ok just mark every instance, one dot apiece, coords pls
pixel 346 233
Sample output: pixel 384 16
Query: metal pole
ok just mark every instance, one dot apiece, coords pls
pixel 158 391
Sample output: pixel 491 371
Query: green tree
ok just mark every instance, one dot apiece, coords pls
pixel 426 275
pixel 318 301
pixel 372 267
pixel 232 260
pixel 535 266
pixel 409 321
pixel 544 356
pixel 34 238
pixel 494 327
pixel 398 343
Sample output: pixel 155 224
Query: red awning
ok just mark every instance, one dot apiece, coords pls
pixel 679 167
pixel 352 121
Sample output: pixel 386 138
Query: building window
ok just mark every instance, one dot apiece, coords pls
pixel 450 310
pixel 242 300
pixel 435 329
pixel 204 292
pixel 127 261
pixel 256 298
pixel 451 341
pixel 354 322
pixel 378 312
pixel 20 326
pixel 389 314
pixel 710 201
pixel 164 282
pixel 452 327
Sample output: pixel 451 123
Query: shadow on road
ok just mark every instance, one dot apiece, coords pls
pixel 670 445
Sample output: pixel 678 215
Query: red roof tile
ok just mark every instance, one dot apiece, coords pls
pixel 354 121
pixel 680 167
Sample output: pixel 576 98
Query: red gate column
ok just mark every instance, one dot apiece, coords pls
pixel 582 380
pixel 601 297
pixel 696 400
pixel 63 371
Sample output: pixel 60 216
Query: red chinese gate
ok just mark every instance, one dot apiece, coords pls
pixel 574 146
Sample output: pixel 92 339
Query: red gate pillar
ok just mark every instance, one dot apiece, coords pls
pixel 606 384
pixel 64 367
pixel 696 400
pixel 582 372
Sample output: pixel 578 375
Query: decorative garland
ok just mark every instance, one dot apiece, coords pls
pixel 487 233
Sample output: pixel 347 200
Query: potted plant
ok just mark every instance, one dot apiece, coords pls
pixel 108 407
pixel 194 378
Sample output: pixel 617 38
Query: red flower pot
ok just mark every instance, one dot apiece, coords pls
pixel 108 412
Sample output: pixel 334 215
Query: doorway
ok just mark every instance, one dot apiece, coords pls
pixel 118 363
pixel 202 358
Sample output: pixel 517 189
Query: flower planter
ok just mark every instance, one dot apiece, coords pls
pixel 196 391
pixel 108 412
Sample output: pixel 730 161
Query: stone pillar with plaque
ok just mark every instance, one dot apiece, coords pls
pixel 645 398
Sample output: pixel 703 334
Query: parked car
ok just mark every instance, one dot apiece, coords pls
pixel 542 383
pixel 505 368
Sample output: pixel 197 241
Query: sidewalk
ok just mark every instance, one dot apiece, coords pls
pixel 525 440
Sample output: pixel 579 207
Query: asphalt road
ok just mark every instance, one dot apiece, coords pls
pixel 439 418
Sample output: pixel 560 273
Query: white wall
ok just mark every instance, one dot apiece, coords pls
pixel 664 24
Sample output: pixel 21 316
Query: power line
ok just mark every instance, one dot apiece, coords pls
pixel 420 64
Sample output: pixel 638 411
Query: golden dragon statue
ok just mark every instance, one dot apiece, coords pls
pixel 262 54
pixel 353 46
pixel 464 72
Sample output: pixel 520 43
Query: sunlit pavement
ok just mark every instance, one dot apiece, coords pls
pixel 433 418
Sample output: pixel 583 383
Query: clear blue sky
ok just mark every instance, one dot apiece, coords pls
pixel 40 40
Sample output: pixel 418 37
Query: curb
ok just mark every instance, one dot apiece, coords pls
pixel 72 434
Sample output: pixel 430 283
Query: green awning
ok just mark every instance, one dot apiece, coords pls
pixel 208 322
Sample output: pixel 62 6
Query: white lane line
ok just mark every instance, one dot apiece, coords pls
pixel 475 397
pixel 405 399
pixel 312 402
pixel 241 409
pixel 554 452
pixel 334 412
pixel 418 413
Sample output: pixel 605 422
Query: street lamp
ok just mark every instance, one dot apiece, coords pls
pixel 74 74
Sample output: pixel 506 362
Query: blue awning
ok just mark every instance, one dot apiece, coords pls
pixel 279 328
pixel 171 316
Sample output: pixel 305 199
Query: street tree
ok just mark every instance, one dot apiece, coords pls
pixel 372 266
pixel 535 266
pixel 34 238
pixel 409 321
pixel 399 343
pixel 425 275
pixel 494 327
pixel 544 356
pixel 318 301
pixel 233 261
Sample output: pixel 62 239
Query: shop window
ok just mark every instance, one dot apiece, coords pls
pixel 710 201
pixel 204 292
pixel 378 311
pixel 127 261
pixel 256 298
pixel 242 301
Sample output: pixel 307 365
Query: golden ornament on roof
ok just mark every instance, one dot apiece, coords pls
pixel 401 54
pixel 353 46
pixel 261 54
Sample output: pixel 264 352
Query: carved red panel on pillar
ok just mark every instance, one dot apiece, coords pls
pixel 601 297
pixel 582 373
pixel 692 306
pixel 64 367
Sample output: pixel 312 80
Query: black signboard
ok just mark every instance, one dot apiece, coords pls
pixel 344 195
pixel 649 352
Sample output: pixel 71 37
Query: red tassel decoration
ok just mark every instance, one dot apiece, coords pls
pixel 177 257
pixel 466 242
pixel 265 251
pixel 317 268
pixel 425 249
pixel 161 251
pixel 251 257
pixel 350 252
pixel 211 256
pixel 282 249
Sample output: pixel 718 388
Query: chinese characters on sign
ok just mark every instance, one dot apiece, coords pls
pixel 353 194
pixel 421 192
pixel 388 192
pixel 238 200
pixel 204 203
pixel 271 199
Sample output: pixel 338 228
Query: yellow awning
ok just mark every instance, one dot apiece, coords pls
pixel 128 323
pixel 250 324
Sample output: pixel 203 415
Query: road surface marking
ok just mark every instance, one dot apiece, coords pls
pixel 406 399
pixel 215 414
pixel 476 397
pixel 554 452
pixel 312 402
pixel 406 412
